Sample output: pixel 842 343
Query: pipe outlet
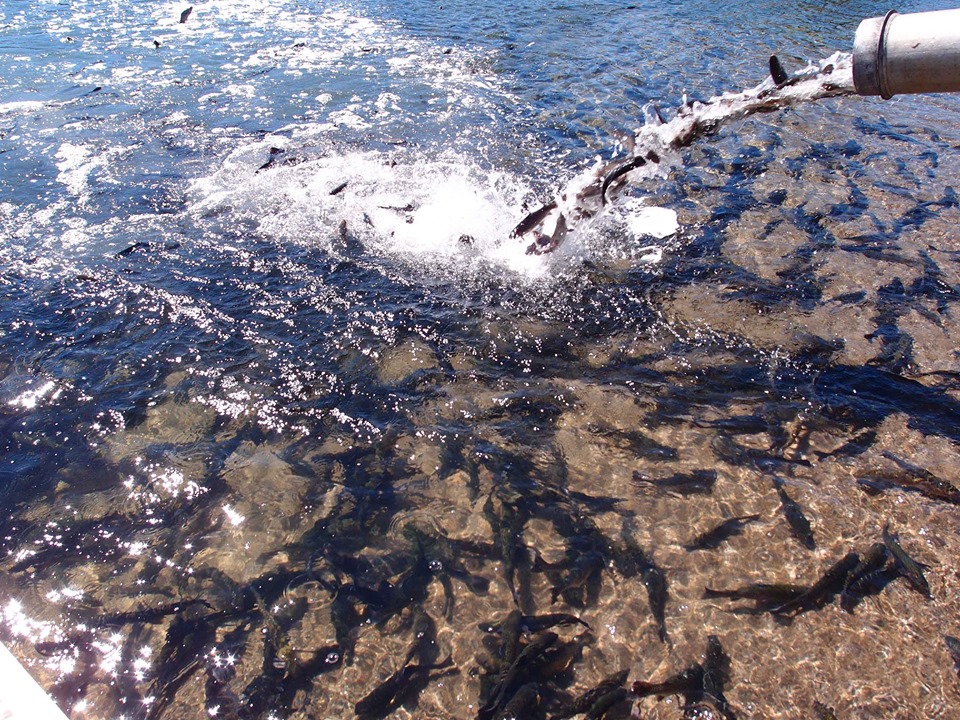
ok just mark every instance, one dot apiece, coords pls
pixel 905 54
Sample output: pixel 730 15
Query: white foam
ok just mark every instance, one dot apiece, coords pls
pixel 649 221
pixel 445 214
pixel 20 106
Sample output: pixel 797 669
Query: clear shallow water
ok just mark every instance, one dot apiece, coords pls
pixel 220 380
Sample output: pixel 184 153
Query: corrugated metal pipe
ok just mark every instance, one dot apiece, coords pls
pixel 915 53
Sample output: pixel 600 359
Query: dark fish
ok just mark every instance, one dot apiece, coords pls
pixel 383 699
pixel 799 525
pixel 536 623
pixel 684 682
pixel 628 165
pixel 510 636
pixel 524 664
pixel 424 644
pixel 699 482
pixel 520 704
pixel 822 591
pixel 909 567
pixel 953 646
pixel 543 243
pixel 918 480
pixel 507 525
pixel 715 669
pixel 656 584
pixel 532 220
pixel 181 655
pixel 618 172
pixel 823 712
pixel 634 561
pixel 764 595
pixel 132 249
pixel 585 567
pixel 279 158
pixel 583 703
pixel 149 615
pixel 853 447
pixel 339 188
pixel 777 72
pixel 862 576
pixel 606 702
pixel 727 529
pixel 346 620
pixel 634 442
pixel 558 658
pixel 186 14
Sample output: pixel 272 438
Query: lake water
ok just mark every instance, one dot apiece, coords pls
pixel 278 391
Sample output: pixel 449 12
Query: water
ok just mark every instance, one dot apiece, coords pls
pixel 237 399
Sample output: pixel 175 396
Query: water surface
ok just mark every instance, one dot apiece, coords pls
pixel 238 397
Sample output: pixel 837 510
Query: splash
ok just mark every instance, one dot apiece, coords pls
pixel 655 147
pixel 446 213
pixel 443 215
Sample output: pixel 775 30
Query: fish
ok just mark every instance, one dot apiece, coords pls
pixel 634 561
pixel 279 158
pixel 606 702
pixel 727 529
pixel 764 595
pixel 909 567
pixel 185 14
pixel 634 442
pixel 520 704
pixel 388 695
pixel 618 172
pixel 510 636
pixel 777 72
pixel 583 569
pixel 533 219
pixel 656 584
pixel 799 525
pixel 180 656
pixel 953 647
pixel 548 242
pixel 424 644
pixel 150 615
pixel 507 525
pixel 715 669
pixel 587 700
pixel 699 482
pixel 823 590
pixel 346 620
pixel 523 665
pixel 872 562
pixel 700 684
pixel 823 712
pixel 132 249
pixel 686 681
pixel 911 478
pixel 629 165
pixel 536 623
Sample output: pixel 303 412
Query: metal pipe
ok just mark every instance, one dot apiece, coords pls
pixel 914 53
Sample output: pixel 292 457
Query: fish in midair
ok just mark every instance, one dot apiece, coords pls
pixel 777 72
